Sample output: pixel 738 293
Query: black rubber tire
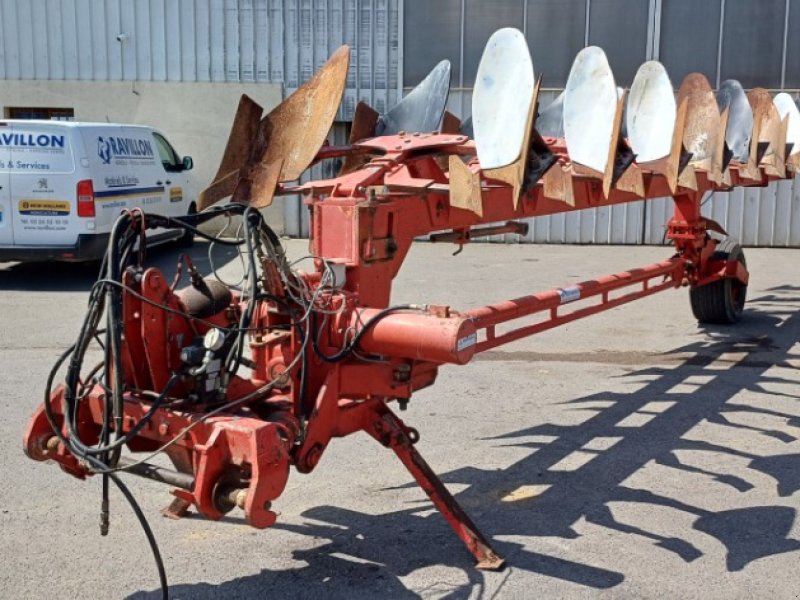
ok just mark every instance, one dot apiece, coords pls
pixel 721 302
pixel 187 239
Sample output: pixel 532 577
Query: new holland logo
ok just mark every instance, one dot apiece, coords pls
pixel 129 148
pixel 43 208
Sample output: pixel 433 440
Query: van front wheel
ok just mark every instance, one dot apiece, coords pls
pixel 187 239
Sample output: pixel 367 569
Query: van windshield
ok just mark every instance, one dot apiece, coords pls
pixel 31 149
pixel 169 158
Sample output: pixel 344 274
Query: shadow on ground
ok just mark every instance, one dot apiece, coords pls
pixel 368 555
pixel 55 276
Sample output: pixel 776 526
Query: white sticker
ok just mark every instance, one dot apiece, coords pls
pixel 569 294
pixel 466 342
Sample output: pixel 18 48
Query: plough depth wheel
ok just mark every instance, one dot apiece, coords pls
pixel 721 302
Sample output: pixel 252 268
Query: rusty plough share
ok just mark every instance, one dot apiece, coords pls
pixel 326 352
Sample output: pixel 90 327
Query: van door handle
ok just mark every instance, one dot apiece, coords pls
pixel 168 182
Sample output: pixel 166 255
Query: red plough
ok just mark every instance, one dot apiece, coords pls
pixel 239 386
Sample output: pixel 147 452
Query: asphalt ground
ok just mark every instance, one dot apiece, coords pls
pixel 633 454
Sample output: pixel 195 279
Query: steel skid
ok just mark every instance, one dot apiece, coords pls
pixel 331 362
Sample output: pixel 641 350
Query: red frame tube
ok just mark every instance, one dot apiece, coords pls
pixel 488 317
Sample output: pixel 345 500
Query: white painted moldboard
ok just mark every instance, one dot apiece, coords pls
pixel 621 224
pixel 205 40
pixel 768 216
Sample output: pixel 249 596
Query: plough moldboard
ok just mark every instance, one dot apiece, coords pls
pixel 238 385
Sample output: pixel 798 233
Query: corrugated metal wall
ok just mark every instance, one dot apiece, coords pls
pixel 210 40
pixel 767 216
pixel 205 40
pixel 287 40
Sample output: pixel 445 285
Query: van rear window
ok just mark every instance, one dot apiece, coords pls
pixel 31 150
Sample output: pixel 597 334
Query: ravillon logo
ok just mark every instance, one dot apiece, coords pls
pixel 104 150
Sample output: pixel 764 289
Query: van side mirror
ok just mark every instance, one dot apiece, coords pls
pixel 188 163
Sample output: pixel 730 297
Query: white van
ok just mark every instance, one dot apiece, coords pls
pixel 63 184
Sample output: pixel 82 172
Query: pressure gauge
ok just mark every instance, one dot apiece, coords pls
pixel 214 339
